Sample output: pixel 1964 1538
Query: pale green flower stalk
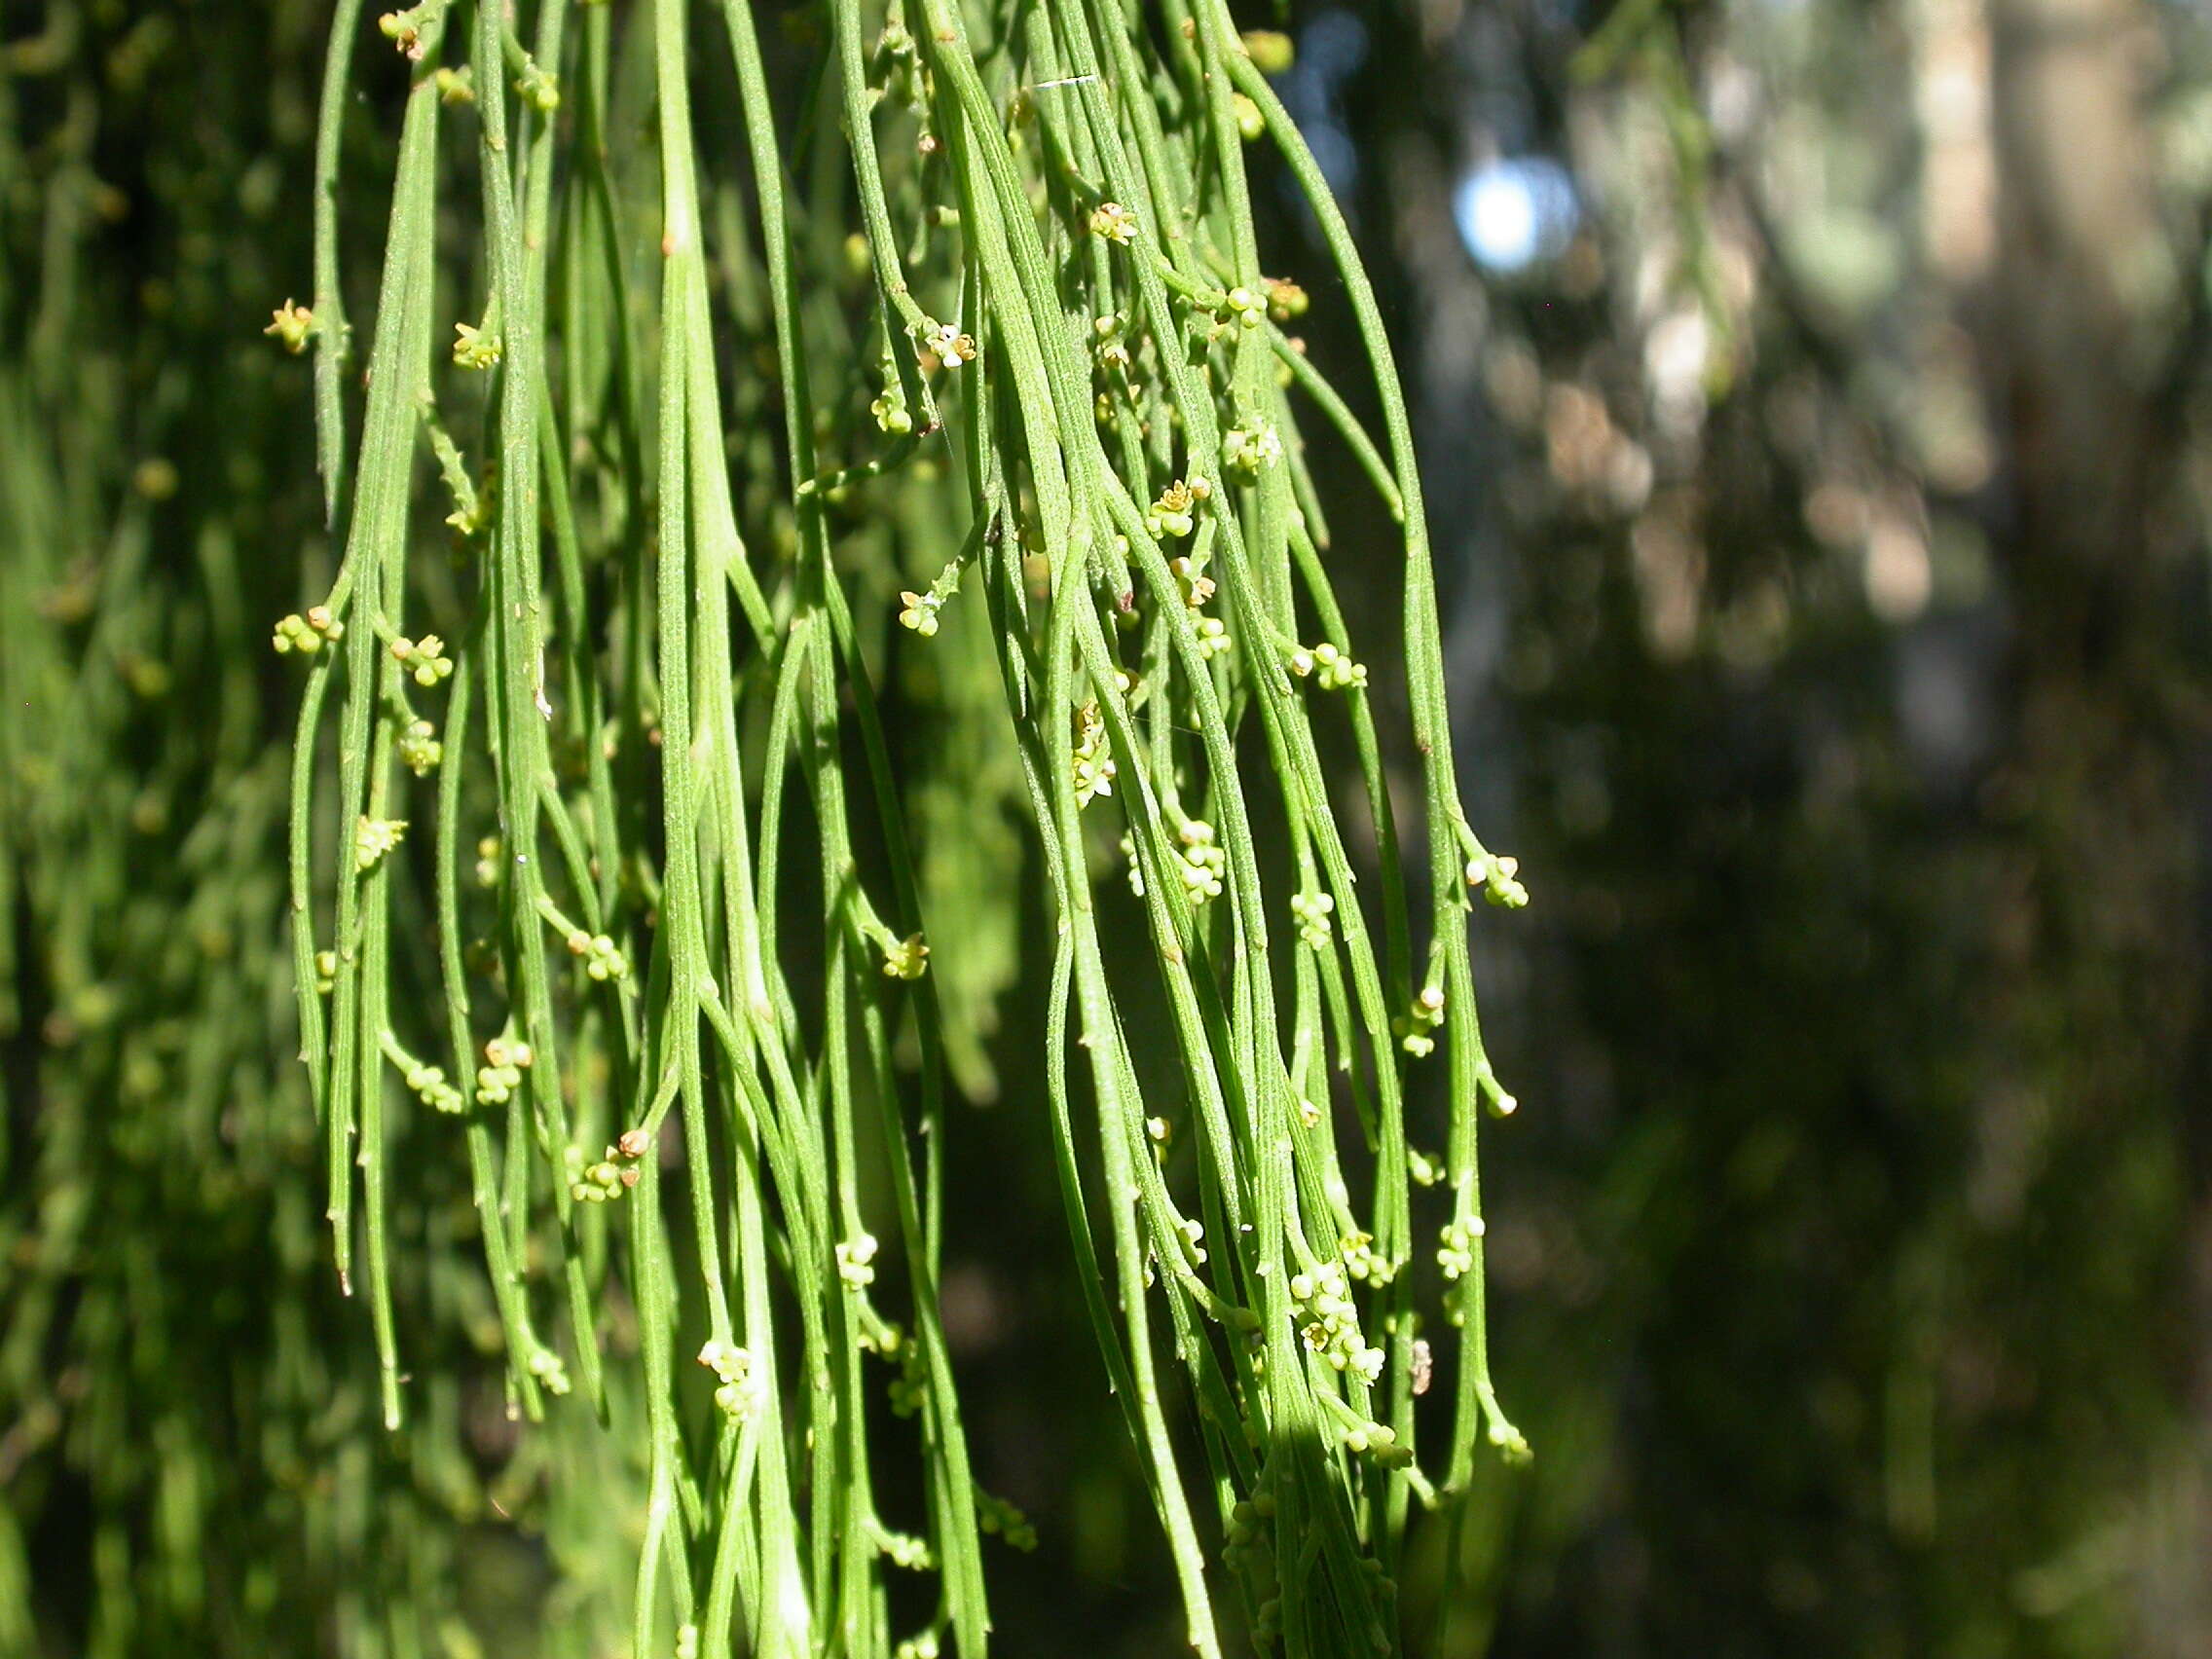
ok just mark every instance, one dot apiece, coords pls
pixel 1038 409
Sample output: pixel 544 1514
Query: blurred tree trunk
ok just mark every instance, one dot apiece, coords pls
pixel 2097 934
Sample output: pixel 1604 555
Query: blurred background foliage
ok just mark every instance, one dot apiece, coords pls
pixel 1813 395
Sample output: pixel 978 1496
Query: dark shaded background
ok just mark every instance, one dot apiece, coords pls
pixel 1811 398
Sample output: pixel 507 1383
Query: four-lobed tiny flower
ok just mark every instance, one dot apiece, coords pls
pixel 473 349
pixel 905 958
pixel 1174 512
pixel 293 325
pixel 944 342
pixel 420 750
pixel 1251 450
pixel 1196 586
pixel 404 29
pixel 889 411
pixel 374 837
pixel 539 89
pixel 918 611
pixel 1114 222
pixel 1093 760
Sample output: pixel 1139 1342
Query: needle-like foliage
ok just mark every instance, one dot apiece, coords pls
pixel 605 862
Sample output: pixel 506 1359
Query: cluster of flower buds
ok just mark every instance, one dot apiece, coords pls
pixel 1499 879
pixel 1363 1262
pixel 904 1549
pixel 1094 761
pixel 373 837
pixel 326 971
pixel 997 1515
pixel 1380 1441
pixel 1201 864
pixel 425 660
pixel 308 634
pixel 1213 637
pixel 1331 1323
pixel 911 1387
pixel 856 1259
pixel 501 1074
pixel 602 957
pixel 1245 308
pixel 430 1086
pixel 732 1367
pixel 552 1375
pixel 1285 299
pixel 1416 1029
pixel 613 1175
pixel 1313 910
pixel 1250 1523
pixel 1332 669
pixel 1456 1252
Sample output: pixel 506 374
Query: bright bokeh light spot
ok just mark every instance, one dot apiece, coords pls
pixel 1513 212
